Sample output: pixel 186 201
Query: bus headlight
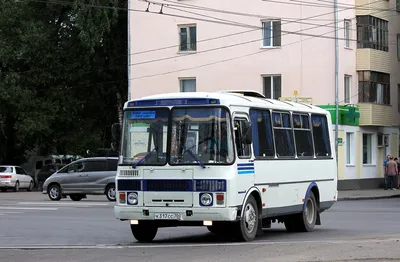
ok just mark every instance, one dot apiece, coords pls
pixel 206 199
pixel 132 198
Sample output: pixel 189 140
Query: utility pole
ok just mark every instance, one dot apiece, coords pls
pixel 335 5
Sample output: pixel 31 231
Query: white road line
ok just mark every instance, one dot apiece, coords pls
pixel 65 203
pixel 300 242
pixel 29 208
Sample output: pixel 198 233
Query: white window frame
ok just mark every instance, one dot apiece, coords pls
pixel 370 149
pixel 347 100
pixel 272 85
pixel 347 33
pixel 187 26
pixel 181 81
pixel 350 149
pixel 271 22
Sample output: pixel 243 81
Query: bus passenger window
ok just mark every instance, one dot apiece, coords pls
pixel 283 134
pixel 242 149
pixel 321 136
pixel 263 143
pixel 302 133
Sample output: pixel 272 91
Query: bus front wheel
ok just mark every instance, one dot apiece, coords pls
pixel 144 232
pixel 248 224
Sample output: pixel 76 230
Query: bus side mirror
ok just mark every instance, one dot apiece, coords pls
pixel 116 134
pixel 247 135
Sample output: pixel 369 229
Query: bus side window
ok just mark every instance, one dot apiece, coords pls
pixel 243 150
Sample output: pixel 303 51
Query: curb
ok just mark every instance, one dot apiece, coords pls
pixel 367 197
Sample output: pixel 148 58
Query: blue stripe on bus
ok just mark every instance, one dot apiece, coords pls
pixel 246 164
pixel 246 172
pixel 245 168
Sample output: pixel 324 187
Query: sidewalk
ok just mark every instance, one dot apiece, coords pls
pixel 367 194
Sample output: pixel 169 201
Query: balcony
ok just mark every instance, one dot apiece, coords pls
pixel 375 114
pixel 374 60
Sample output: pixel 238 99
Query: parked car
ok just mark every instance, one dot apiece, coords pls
pixel 46 172
pixel 14 177
pixel 87 176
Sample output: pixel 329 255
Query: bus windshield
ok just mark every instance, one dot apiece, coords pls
pixel 145 136
pixel 202 136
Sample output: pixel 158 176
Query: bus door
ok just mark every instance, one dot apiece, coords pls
pixel 245 159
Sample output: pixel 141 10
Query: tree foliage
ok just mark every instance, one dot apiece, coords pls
pixel 62 70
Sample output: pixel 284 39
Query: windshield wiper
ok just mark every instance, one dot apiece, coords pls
pixel 194 157
pixel 144 158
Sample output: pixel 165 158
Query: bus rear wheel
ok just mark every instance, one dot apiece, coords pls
pixel 305 221
pixel 248 224
pixel 144 232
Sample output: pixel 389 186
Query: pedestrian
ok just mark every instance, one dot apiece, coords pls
pixel 391 171
pixel 384 170
pixel 397 182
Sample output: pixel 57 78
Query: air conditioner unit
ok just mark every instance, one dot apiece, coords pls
pixel 380 140
pixel 386 140
pixel 383 140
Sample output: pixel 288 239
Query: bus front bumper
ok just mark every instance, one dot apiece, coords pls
pixel 175 213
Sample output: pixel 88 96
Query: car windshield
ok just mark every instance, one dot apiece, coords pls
pixel 145 137
pixel 201 136
pixel 6 169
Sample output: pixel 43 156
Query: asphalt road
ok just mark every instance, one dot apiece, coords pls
pixel 33 228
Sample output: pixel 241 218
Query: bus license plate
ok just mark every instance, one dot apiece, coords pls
pixel 166 216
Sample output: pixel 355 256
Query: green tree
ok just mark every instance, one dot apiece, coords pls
pixel 62 70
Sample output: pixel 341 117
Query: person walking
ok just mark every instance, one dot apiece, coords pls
pixel 385 179
pixel 396 181
pixel 391 171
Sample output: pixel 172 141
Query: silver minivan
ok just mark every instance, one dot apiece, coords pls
pixel 87 176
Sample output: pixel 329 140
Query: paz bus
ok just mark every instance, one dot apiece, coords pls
pixel 232 161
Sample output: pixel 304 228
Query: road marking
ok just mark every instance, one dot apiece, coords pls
pixel 254 243
pixel 29 208
pixel 65 203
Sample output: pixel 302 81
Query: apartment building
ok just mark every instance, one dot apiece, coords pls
pixel 281 48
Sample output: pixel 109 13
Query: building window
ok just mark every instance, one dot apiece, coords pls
pixel 367 149
pixel 188 85
pixel 372 32
pixel 373 87
pixel 187 35
pixel 271 33
pixel 398 5
pixel 398 46
pixel 347 34
pixel 349 148
pixel 347 89
pixel 398 97
pixel 272 86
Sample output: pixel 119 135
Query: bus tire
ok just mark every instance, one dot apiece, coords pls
pixel 144 233
pixel 306 220
pixel 308 217
pixel 248 224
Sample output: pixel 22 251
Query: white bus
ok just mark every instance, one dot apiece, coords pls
pixel 234 162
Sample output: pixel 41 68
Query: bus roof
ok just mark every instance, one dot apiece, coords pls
pixel 245 98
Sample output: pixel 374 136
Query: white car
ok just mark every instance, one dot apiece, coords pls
pixel 15 177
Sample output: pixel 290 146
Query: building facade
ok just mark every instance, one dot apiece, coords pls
pixel 281 48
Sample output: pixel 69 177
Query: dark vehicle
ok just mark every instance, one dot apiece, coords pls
pixel 46 172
